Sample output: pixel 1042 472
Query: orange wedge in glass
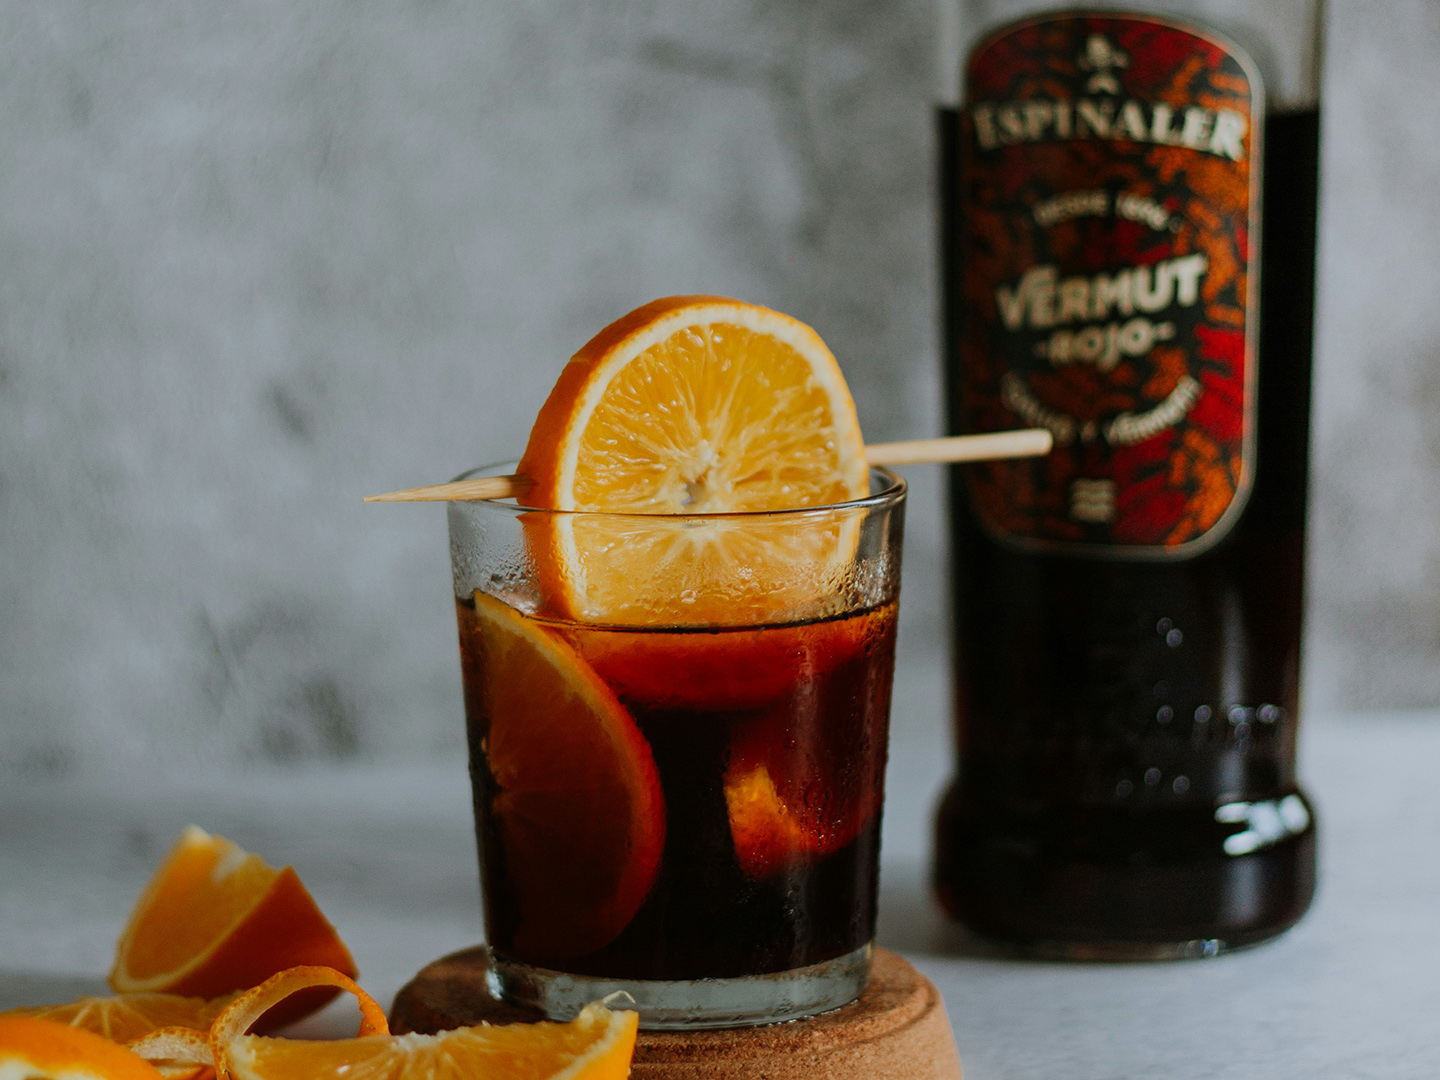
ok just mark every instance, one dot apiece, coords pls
pixel 693 405
pixel 576 794
pixel 216 919
pixel 34 1048
pixel 793 793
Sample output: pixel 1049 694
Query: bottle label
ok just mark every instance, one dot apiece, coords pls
pixel 1110 169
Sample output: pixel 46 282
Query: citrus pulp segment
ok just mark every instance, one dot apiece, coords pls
pixel 693 405
pixel 575 789
pixel 216 919
pixel 127 1017
pixel 596 1045
pixel 794 792
pixel 35 1048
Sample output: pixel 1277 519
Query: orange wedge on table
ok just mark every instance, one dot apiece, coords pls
pixel 576 793
pixel 216 919
pixel 693 405
pixel 36 1048
pixel 597 1045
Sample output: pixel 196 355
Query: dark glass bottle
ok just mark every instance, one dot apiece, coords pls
pixel 1127 701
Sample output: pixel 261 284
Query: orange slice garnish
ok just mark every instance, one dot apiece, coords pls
pixel 216 919
pixel 36 1048
pixel 693 405
pixel 597 1045
pixel 575 792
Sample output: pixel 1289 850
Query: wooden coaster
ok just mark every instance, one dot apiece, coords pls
pixel 898 1030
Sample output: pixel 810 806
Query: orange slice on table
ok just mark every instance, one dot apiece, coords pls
pixel 577 798
pixel 129 1016
pixel 693 405
pixel 164 1029
pixel 216 919
pixel 36 1048
pixel 597 1045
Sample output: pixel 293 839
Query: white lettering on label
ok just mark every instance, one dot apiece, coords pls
pixel 1143 209
pixel 1074 204
pixel 1212 131
pixel 1092 500
pixel 1022 403
pixel 1127 429
pixel 1103 346
pixel 1040 300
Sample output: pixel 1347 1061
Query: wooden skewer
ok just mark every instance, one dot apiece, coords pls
pixel 481 487
pixel 1028 442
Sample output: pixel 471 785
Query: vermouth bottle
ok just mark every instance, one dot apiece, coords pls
pixel 1128 204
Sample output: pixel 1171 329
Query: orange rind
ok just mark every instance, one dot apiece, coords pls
pixel 596 1045
pixel 216 919
pixel 246 1011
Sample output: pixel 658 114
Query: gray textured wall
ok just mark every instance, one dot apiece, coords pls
pixel 1375 498
pixel 260 258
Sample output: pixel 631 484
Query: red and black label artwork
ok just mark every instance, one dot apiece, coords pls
pixel 1110 185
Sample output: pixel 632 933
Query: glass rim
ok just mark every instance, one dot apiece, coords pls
pixel 890 495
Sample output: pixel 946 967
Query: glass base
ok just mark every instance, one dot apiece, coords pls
pixel 668 1005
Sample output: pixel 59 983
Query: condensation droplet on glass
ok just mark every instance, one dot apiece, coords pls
pixel 1163 626
pixel 1152 776
pixel 1174 638
pixel 1237 714
pixel 1164 714
pixel 687 596
pixel 1202 714
pixel 1124 788
pixel 1180 785
pixel 1268 714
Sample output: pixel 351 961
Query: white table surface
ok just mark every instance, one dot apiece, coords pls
pixel 1353 991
